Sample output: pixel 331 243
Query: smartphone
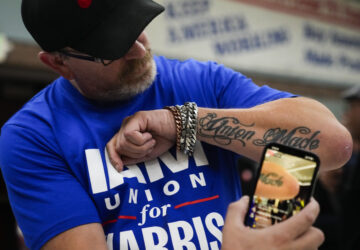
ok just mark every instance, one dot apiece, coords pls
pixel 284 185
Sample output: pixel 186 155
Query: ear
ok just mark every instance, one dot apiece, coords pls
pixel 56 63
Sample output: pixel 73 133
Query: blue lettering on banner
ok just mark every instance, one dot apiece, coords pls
pixel 252 42
pixel 336 38
pixel 324 59
pixel 353 64
pixel 346 40
pixel 318 58
pixel 314 33
pixel 207 28
pixel 188 8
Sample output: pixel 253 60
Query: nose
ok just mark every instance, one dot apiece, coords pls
pixel 136 51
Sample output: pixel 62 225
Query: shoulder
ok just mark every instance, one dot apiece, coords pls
pixel 37 112
pixel 30 127
pixel 208 70
pixel 190 64
pixel 192 70
pixel 34 115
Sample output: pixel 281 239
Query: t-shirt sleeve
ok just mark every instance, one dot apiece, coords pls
pixel 234 90
pixel 45 196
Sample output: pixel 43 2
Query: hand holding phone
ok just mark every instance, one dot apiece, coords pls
pixel 294 233
pixel 284 185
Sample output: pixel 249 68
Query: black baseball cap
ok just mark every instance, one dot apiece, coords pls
pixel 101 28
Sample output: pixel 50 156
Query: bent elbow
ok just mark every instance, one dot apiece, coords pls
pixel 346 149
pixel 340 149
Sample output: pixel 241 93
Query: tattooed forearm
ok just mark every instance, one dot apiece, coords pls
pixel 225 129
pixel 293 138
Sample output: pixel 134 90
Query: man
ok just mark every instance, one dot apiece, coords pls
pixel 176 165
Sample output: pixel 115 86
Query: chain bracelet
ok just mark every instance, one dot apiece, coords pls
pixel 186 115
pixel 191 125
pixel 178 123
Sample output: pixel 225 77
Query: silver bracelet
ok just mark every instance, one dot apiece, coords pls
pixel 191 125
pixel 188 113
pixel 186 134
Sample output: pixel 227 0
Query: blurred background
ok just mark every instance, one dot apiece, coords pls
pixel 307 47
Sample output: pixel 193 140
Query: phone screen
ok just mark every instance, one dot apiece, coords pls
pixel 284 185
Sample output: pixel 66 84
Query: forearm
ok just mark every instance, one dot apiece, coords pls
pixel 246 131
pixel 87 237
pixel 298 122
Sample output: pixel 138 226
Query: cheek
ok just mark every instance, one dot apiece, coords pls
pixel 94 72
pixel 114 69
pixel 88 80
pixel 84 76
pixel 83 71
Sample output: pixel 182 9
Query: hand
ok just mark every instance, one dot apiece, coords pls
pixel 142 136
pixel 294 233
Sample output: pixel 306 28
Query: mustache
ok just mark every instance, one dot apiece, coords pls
pixel 132 65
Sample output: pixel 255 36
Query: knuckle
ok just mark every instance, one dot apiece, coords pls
pixel 279 238
pixel 126 119
pixel 316 206
pixel 132 155
pixel 319 235
pixel 145 148
pixel 128 133
pixel 140 150
pixel 120 141
pixel 232 206
pixel 140 113
pixel 309 218
pixel 119 146
pixel 111 151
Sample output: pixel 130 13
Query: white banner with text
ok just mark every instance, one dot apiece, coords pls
pixel 313 40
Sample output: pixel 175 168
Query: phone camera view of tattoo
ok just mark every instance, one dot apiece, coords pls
pixel 284 185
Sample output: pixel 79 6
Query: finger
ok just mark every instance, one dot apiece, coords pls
pixel 133 151
pixel 311 239
pixel 237 210
pixel 131 161
pixel 125 120
pixel 137 137
pixel 114 157
pixel 301 222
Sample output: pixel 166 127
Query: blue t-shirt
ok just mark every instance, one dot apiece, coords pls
pixel 58 175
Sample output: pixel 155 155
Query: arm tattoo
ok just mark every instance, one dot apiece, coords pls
pixel 225 129
pixel 272 179
pixel 288 138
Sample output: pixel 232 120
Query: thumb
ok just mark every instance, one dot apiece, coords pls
pixel 243 206
pixel 114 157
pixel 237 210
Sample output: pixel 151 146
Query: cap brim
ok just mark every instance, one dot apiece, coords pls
pixel 115 35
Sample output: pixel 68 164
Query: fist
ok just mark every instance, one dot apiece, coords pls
pixel 142 136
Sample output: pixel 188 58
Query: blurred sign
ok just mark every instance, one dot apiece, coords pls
pixel 5 47
pixel 332 11
pixel 256 38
